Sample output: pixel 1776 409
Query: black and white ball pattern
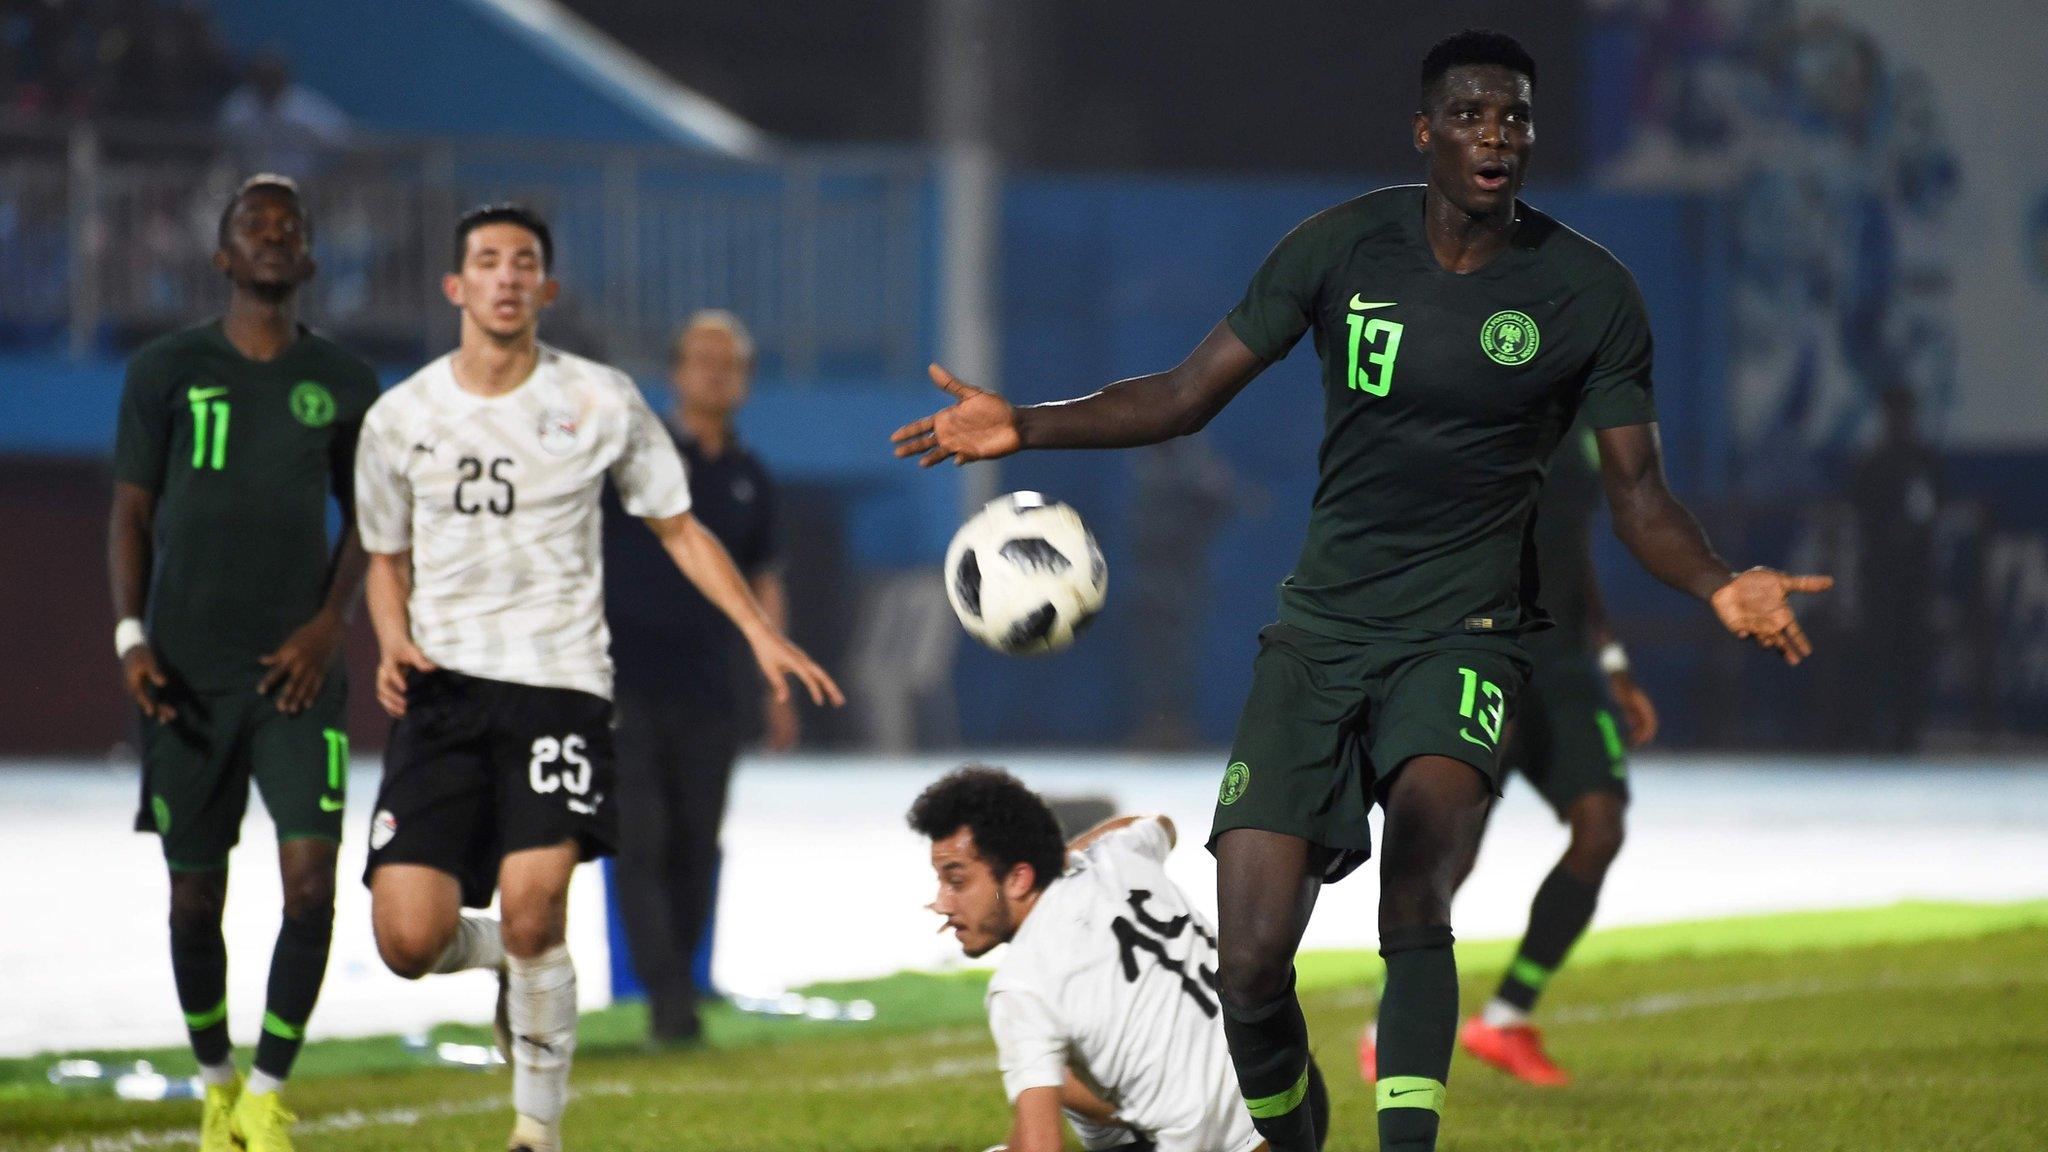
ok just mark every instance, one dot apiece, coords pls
pixel 1024 575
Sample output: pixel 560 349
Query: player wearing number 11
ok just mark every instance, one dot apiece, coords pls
pixel 477 485
pixel 1460 332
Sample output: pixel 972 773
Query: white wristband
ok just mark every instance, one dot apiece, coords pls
pixel 128 634
pixel 1613 658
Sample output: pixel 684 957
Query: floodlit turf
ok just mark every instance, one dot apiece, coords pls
pixel 1923 1027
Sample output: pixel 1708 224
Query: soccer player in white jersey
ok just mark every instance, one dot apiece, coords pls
pixel 477 484
pixel 1104 1007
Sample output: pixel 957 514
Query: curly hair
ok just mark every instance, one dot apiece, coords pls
pixel 1010 823
pixel 1473 46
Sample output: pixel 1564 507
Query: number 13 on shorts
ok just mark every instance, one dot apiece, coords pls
pixel 1483 703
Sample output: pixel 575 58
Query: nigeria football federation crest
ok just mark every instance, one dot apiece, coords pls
pixel 1235 780
pixel 1509 338
pixel 312 403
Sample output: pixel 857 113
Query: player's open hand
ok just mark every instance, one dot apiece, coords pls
pixel 392 665
pixel 298 669
pixel 979 426
pixel 1638 715
pixel 1754 607
pixel 146 682
pixel 779 659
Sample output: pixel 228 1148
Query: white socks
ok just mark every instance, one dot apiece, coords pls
pixel 261 1083
pixel 215 1075
pixel 476 945
pixel 542 1006
pixel 1498 1013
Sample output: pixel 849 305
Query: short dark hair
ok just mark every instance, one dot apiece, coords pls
pixel 284 184
pixel 1010 823
pixel 504 212
pixel 1473 46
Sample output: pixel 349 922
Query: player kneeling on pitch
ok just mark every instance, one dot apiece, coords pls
pixel 1104 1008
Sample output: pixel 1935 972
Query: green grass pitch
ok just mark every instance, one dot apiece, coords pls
pixel 1920 1027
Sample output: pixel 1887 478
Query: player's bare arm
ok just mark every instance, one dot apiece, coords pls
pixel 1035 1122
pixel 1638 713
pixel 130 554
pixel 783 726
pixel 298 667
pixel 1669 543
pixel 389 588
pixel 1081 842
pixel 1080 1100
pixel 708 566
pixel 1141 410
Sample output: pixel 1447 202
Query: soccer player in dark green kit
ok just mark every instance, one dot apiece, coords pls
pixel 1460 332
pixel 232 437
pixel 1570 746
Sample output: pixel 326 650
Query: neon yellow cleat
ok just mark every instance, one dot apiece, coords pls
pixel 216 1122
pixel 264 1123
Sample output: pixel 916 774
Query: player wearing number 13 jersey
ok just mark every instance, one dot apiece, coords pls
pixel 477 485
pixel 1103 1006
pixel 1460 332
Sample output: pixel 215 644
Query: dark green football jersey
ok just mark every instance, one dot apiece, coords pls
pixel 242 457
pixel 1443 396
pixel 1564 525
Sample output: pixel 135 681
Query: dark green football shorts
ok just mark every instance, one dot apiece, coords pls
pixel 1566 740
pixel 196 771
pixel 1329 722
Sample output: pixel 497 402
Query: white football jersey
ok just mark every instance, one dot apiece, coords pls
pixel 1114 975
pixel 497 497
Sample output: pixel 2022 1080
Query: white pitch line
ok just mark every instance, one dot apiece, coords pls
pixel 354 1120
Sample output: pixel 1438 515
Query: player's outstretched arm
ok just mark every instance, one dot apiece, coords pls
pixel 1670 545
pixel 708 566
pixel 1141 410
pixel 388 585
pixel 130 554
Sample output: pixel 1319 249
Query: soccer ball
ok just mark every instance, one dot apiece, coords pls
pixel 1024 575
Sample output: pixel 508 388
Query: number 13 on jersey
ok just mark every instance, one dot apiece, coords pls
pixel 1380 341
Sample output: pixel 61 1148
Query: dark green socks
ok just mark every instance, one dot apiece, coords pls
pixel 1557 918
pixel 1269 1047
pixel 199 965
pixel 297 965
pixel 1418 1024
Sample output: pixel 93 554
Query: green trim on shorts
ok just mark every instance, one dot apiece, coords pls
pixel 1529 972
pixel 220 865
pixel 1280 1103
pixel 1409 1092
pixel 200 1021
pixel 275 1025
pixel 1617 752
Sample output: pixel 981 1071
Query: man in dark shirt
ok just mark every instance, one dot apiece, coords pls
pixel 687 692
pixel 233 437
pixel 1460 331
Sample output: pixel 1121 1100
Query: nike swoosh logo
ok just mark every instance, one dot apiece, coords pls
pixel 1407 1092
pixel 1474 739
pixel 1359 304
pixel 330 804
pixel 195 395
